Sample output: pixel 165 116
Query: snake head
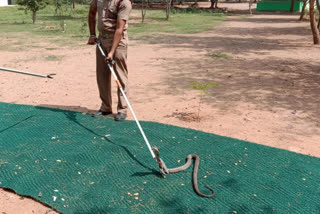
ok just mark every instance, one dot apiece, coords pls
pixel 163 168
pixel 156 151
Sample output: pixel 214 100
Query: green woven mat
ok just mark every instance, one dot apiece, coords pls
pixel 62 159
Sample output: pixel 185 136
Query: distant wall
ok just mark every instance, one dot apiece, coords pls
pixel 3 2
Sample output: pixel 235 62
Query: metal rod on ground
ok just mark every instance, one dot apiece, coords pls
pixel 125 97
pixel 22 72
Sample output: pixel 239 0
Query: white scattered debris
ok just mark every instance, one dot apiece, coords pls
pixel 62 199
pixel 107 135
pixel 56 190
pixel 53 138
pixel 54 198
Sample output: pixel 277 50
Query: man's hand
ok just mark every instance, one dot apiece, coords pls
pixel 92 40
pixel 109 57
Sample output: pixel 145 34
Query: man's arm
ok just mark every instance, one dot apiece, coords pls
pixel 117 37
pixel 92 25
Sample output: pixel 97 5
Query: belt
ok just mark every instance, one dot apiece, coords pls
pixel 106 35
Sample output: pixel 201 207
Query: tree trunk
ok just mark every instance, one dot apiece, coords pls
pixel 305 2
pixel 143 10
pixel 73 5
pixel 34 16
pixel 168 9
pixel 318 6
pixel 292 6
pixel 315 30
pixel 214 4
pixel 143 14
pixel 250 5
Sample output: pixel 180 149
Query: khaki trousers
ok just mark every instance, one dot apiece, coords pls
pixel 104 76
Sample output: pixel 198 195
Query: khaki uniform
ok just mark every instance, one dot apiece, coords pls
pixel 108 13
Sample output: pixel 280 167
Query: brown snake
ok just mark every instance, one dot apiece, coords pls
pixel 165 170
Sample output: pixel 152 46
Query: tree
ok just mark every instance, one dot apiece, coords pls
pixel 144 6
pixel 214 4
pixel 315 30
pixel 292 6
pixel 34 6
pixel 168 8
pixel 318 6
pixel 305 2
pixel 203 88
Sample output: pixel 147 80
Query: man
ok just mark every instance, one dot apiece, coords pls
pixel 113 18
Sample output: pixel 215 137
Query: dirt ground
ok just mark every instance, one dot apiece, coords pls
pixel 268 91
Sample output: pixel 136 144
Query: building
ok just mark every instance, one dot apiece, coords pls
pixel 5 2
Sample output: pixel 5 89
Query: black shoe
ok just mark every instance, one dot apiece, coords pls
pixel 101 113
pixel 120 116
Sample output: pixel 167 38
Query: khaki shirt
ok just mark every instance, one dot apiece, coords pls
pixel 109 12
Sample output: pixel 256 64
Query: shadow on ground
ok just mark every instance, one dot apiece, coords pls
pixel 267 81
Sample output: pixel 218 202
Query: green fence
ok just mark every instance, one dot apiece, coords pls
pixel 279 5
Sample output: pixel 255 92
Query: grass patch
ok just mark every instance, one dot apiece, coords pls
pixel 71 27
pixel 53 58
pixel 51 49
pixel 245 16
pixel 14 23
pixel 179 22
pixel 220 55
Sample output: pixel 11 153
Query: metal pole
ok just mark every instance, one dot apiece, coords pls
pixel 22 72
pixel 125 97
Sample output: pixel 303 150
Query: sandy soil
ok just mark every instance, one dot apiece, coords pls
pixel 268 89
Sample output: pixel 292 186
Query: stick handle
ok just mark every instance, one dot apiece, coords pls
pixel 22 72
pixel 125 97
